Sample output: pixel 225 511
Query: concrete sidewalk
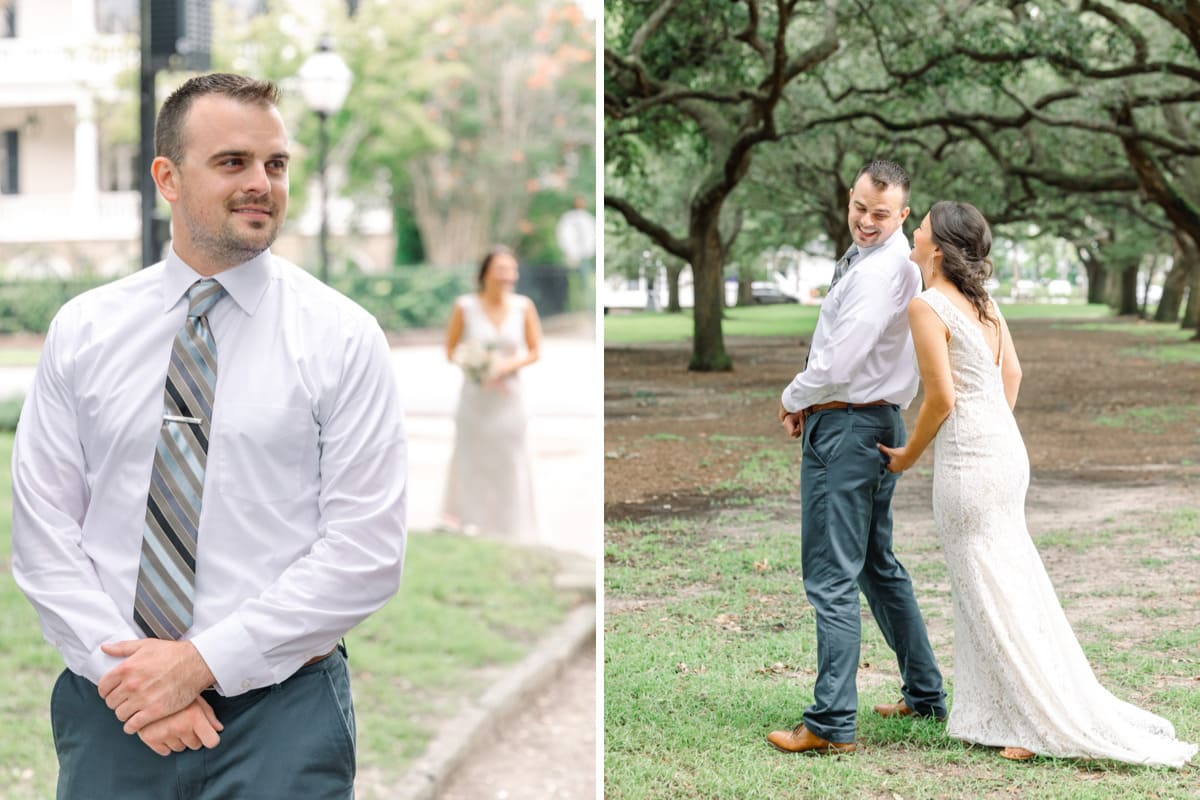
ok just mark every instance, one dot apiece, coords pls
pixel 563 394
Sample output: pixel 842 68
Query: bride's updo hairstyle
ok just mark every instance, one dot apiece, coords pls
pixel 489 257
pixel 965 240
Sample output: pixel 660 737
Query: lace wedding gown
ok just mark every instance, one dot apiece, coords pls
pixel 489 484
pixel 1020 676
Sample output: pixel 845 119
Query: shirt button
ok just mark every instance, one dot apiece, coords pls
pixel 246 684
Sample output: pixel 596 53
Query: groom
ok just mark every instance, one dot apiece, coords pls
pixel 861 371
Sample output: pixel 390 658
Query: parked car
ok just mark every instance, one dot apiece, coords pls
pixel 766 293
pixel 1059 288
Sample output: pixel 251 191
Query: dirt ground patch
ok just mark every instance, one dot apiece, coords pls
pixel 1099 492
pixel 1085 411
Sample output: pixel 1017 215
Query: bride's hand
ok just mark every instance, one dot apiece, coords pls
pixel 898 459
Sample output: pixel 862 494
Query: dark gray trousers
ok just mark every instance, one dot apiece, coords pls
pixel 846 545
pixel 290 741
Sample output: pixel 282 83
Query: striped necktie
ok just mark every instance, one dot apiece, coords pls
pixel 843 264
pixel 167 573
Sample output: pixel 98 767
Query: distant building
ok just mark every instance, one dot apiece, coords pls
pixel 69 200
pixel 65 189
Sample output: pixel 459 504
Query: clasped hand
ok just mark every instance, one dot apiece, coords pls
pixel 155 691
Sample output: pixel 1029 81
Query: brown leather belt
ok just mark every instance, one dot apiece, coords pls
pixel 839 404
pixel 315 659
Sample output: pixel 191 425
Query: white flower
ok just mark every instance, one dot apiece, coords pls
pixel 475 358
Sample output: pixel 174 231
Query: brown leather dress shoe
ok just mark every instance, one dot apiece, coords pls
pixel 1017 754
pixel 900 709
pixel 801 740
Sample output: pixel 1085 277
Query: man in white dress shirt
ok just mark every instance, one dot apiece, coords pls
pixel 861 371
pixel 298 526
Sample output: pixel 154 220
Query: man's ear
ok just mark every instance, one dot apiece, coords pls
pixel 166 178
pixel 904 214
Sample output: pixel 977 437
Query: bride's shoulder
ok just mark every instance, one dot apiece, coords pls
pixel 930 296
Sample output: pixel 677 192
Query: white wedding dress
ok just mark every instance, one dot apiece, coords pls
pixel 1020 676
pixel 489 483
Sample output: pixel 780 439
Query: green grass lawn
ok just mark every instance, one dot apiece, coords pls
pixel 19 357
pixel 710 644
pixel 643 327
pixel 648 326
pixel 467 608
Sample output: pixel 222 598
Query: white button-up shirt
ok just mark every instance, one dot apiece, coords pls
pixel 862 349
pixel 302 525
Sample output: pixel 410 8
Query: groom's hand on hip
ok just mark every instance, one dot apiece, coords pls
pixel 792 421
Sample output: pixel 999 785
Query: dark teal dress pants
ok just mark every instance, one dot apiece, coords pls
pixel 846 545
pixel 290 741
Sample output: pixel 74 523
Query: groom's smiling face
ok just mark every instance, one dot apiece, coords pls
pixel 875 213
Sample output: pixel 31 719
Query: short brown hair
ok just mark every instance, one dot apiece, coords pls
pixel 884 174
pixel 168 130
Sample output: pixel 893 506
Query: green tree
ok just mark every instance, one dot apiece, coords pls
pixel 518 112
pixel 715 72
pixel 1081 97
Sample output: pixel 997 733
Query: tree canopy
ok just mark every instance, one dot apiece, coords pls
pixel 1070 118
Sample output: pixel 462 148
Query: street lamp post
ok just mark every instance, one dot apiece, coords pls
pixel 324 81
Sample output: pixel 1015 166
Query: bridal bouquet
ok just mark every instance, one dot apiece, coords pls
pixel 475 358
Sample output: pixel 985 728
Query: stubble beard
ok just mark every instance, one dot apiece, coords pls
pixel 228 247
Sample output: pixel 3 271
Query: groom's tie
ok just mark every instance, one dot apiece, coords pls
pixel 167 574
pixel 843 264
pixel 839 269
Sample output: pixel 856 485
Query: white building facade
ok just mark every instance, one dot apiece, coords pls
pixel 68 199
pixel 69 202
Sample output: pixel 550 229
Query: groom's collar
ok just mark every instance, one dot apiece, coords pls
pixel 891 240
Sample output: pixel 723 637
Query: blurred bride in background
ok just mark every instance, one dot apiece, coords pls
pixel 493 333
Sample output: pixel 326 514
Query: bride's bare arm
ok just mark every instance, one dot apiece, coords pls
pixel 931 340
pixel 1010 369
pixel 454 331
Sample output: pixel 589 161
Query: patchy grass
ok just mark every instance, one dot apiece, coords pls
pixel 1150 419
pixel 710 644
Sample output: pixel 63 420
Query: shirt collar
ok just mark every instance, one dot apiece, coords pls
pixel 246 283
pixel 866 251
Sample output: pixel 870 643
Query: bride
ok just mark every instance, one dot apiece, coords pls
pixel 1022 681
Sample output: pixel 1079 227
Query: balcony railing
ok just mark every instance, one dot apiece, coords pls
pixel 65 61
pixel 98 217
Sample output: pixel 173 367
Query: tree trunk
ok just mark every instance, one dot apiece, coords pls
pixel 674 268
pixel 1128 299
pixel 1122 295
pixel 1176 283
pixel 745 293
pixel 1095 275
pixel 1191 316
pixel 708 261
pixel 1150 272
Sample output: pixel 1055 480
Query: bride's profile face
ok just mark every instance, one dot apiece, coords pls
pixel 501 273
pixel 924 249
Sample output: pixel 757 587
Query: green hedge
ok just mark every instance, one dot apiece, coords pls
pixel 406 297
pixel 28 306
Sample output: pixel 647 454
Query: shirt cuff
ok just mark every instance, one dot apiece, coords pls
pixel 96 664
pixel 233 658
pixel 797 396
